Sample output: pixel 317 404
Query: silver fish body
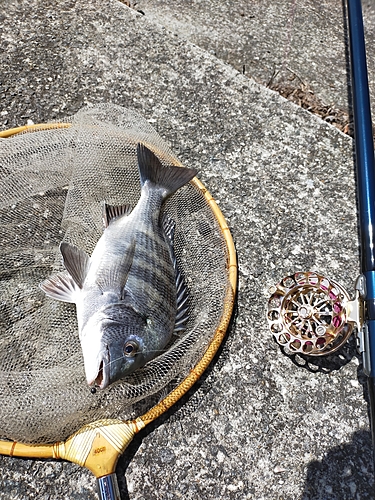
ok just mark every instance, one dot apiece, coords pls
pixel 129 294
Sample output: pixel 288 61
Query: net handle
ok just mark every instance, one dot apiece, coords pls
pixel 108 487
pixel 98 446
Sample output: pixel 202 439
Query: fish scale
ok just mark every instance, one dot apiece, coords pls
pixel 145 270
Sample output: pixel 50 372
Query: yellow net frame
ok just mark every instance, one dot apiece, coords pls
pixel 98 446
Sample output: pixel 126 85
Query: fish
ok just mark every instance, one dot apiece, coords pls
pixel 130 295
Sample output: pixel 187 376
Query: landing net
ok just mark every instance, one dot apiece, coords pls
pixel 52 182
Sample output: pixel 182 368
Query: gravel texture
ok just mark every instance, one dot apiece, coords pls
pixel 260 424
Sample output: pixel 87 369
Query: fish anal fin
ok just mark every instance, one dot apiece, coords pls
pixel 60 286
pixel 76 262
pixel 113 211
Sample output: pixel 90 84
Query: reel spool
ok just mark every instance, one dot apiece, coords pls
pixel 312 315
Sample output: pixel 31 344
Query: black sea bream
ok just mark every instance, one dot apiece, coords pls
pixel 129 294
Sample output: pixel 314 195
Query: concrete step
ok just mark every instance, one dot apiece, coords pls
pixel 298 48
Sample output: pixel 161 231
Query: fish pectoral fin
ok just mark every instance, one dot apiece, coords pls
pixel 112 212
pixel 61 286
pixel 113 278
pixel 76 262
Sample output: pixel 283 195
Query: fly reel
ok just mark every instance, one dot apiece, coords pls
pixel 312 315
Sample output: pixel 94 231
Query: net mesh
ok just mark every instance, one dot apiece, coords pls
pixel 52 183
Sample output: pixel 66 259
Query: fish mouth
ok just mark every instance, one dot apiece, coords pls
pixel 101 380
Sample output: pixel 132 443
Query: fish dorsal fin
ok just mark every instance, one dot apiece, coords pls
pixel 168 225
pixel 76 262
pixel 168 178
pixel 182 299
pixel 113 211
pixel 182 294
pixel 114 277
pixel 61 286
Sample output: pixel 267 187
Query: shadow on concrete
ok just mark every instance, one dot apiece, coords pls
pixel 345 472
pixel 325 364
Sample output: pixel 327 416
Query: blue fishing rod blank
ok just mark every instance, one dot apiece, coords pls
pixel 365 169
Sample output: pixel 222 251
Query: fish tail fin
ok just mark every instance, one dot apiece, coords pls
pixel 169 178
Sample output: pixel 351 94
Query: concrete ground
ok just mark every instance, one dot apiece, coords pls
pixel 260 425
pixel 299 45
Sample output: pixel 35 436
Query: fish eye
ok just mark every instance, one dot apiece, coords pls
pixel 130 349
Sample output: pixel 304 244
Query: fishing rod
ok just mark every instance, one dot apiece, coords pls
pixel 364 148
pixel 309 313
